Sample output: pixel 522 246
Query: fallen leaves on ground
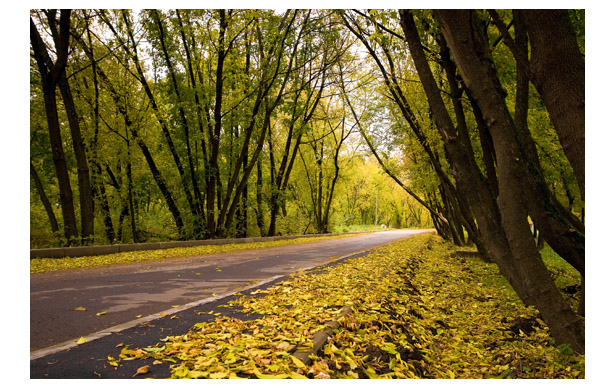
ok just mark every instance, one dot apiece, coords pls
pixel 142 370
pixel 44 265
pixel 416 313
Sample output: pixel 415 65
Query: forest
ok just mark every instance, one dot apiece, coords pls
pixel 152 125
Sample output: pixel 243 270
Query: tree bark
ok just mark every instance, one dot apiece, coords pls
pixel 557 70
pixel 259 207
pixel 409 116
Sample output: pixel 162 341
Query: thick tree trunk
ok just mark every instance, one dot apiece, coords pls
pixel 530 277
pixel 557 70
pixel 50 74
pixel 59 160
pixel 471 183
pixel 403 104
pixel 559 228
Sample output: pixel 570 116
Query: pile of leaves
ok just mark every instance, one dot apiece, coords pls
pixel 417 312
pixel 44 265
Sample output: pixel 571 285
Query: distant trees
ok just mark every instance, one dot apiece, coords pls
pixel 184 124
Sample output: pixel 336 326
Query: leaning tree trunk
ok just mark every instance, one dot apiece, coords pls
pixel 561 230
pixel 557 70
pixel 53 222
pixel 531 279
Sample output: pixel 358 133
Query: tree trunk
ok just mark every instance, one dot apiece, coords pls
pixel 559 228
pixel 259 208
pixel 50 74
pixel 215 137
pixel 167 135
pixel 53 222
pixel 86 200
pixel 557 70
pixel 473 187
pixel 530 277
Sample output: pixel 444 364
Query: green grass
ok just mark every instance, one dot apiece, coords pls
pixel 355 228
pixel 563 274
pixel 44 265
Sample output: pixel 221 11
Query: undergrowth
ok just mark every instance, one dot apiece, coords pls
pixel 416 313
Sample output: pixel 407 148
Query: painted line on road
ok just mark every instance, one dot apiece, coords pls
pixel 130 324
pixel 40 353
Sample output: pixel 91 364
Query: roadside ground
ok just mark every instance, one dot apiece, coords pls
pixel 415 312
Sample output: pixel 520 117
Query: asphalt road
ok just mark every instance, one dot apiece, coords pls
pixel 181 287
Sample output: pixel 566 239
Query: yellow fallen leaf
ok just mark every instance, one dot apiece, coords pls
pixel 295 375
pixel 81 340
pixel 101 313
pixel 142 370
pixel 80 309
pixel 139 316
pixel 298 362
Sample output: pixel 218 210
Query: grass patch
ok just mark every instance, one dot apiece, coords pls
pixel 356 228
pixel 566 278
pixel 44 265
pixel 416 313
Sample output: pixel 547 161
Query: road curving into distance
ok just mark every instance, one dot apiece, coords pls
pixel 124 296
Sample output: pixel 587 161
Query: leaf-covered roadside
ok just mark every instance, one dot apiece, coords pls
pixel 44 265
pixel 416 313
